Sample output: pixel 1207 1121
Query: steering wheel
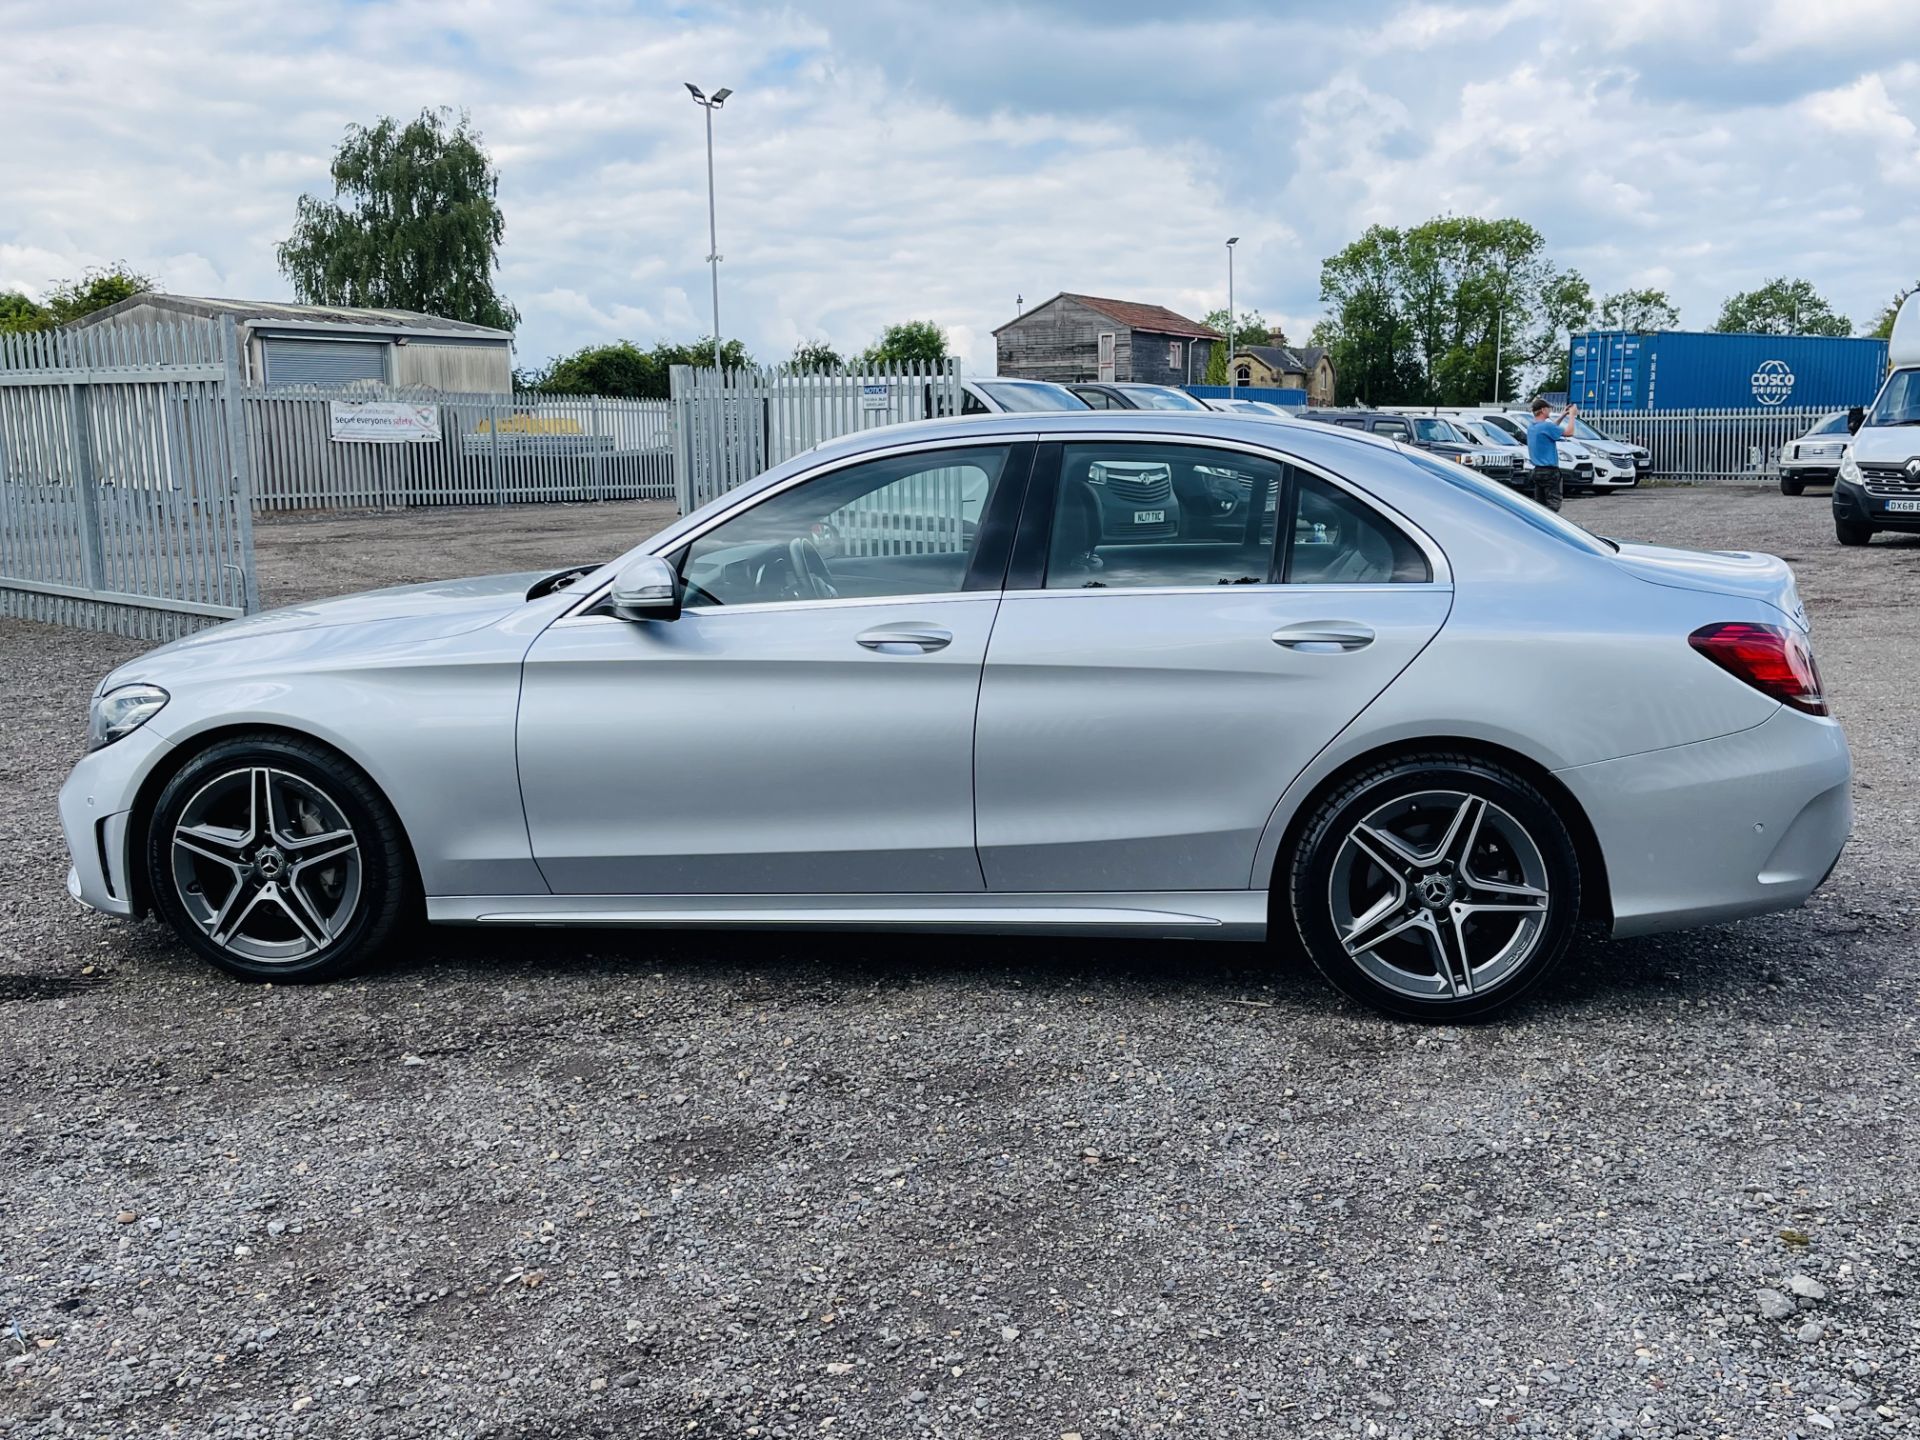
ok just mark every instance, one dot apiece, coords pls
pixel 810 572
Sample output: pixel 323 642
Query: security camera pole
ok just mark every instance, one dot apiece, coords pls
pixel 711 104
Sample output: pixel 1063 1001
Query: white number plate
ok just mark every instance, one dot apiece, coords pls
pixel 1149 517
pixel 1904 505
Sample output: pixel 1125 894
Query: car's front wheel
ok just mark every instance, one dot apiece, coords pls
pixel 1438 887
pixel 1851 532
pixel 277 859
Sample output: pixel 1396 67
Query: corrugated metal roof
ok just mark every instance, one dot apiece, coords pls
pixel 270 312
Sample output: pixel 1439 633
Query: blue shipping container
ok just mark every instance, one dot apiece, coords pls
pixel 1273 393
pixel 1705 370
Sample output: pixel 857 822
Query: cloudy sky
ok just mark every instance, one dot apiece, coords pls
pixel 883 161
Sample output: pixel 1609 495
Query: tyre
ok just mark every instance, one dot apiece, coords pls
pixel 1851 532
pixel 1437 887
pixel 1791 484
pixel 277 859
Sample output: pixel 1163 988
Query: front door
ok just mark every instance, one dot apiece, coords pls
pixel 1147 699
pixel 806 725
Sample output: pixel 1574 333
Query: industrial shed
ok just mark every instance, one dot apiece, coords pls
pixel 285 344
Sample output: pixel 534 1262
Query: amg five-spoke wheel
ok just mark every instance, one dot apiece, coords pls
pixel 1437 886
pixel 266 864
pixel 1439 895
pixel 276 858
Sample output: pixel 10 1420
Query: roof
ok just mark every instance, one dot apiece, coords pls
pixel 286 313
pixel 1156 319
pixel 1287 359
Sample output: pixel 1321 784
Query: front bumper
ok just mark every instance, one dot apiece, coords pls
pixel 1719 830
pixel 1852 501
pixel 96 805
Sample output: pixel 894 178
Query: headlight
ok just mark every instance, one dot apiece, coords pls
pixel 1849 470
pixel 121 711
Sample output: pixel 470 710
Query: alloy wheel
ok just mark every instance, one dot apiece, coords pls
pixel 266 864
pixel 1439 895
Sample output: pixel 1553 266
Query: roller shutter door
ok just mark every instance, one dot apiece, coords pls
pixel 324 362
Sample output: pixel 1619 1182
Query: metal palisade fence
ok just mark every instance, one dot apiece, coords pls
pixel 124 502
pixel 465 450
pixel 1711 446
pixel 729 426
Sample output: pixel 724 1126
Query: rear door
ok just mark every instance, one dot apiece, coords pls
pixel 1146 701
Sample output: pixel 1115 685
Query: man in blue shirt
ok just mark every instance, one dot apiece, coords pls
pixel 1543 450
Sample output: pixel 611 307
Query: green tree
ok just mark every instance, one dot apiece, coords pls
pixel 1782 306
pixel 414 224
pixel 1566 302
pixel 815 355
pixel 913 340
pixel 1639 311
pixel 19 314
pixel 1882 325
pixel 624 369
pixel 98 288
pixel 1248 329
pixel 1420 315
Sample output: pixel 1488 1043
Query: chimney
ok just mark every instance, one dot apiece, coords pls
pixel 1276 336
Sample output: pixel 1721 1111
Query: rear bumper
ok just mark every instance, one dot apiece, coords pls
pixel 1723 829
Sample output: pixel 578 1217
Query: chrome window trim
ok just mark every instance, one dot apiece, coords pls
pixel 844 602
pixel 1091 592
pixel 905 447
pixel 1436 557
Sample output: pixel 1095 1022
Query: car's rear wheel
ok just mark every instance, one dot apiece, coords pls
pixel 1438 887
pixel 1791 485
pixel 1851 532
pixel 276 859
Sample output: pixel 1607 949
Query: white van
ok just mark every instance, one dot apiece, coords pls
pixel 1878 487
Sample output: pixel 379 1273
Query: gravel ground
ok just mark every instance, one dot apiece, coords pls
pixel 596 1185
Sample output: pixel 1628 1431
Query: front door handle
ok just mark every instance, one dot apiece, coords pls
pixel 1317 638
pixel 906 639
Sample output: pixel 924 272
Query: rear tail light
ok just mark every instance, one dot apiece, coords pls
pixel 1774 660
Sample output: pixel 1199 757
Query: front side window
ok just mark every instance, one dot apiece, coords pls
pixel 1431 430
pixel 1095 399
pixel 1394 429
pixel 1506 424
pixel 1164 400
pixel 902 525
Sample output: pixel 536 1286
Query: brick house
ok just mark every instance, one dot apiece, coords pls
pixel 1085 337
pixel 1286 367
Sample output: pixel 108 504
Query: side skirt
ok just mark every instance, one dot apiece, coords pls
pixel 1189 915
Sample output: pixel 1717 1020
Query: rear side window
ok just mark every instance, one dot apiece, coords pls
pixel 1462 477
pixel 1338 539
pixel 1131 514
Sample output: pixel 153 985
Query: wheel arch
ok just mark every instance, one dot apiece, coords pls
pixel 1596 893
pixel 147 798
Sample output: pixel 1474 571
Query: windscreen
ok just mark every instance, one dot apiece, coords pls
pixel 1899 402
pixel 1032 397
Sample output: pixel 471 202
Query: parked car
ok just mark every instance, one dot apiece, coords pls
pixel 1433 433
pixel 1814 459
pixel 1878 487
pixel 1259 409
pixel 1015 397
pixel 1612 445
pixel 1112 395
pixel 903 682
pixel 1481 433
pixel 1578 463
pixel 1615 467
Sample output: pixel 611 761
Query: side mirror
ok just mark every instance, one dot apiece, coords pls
pixel 1856 417
pixel 648 589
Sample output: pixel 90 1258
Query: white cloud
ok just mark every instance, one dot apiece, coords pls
pixel 898 160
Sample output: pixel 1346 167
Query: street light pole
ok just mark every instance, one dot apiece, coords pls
pixel 711 104
pixel 1232 240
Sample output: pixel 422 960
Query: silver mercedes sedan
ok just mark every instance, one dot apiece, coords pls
pixel 1182 675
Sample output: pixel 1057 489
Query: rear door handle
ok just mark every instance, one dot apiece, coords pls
pixel 1316 638
pixel 906 639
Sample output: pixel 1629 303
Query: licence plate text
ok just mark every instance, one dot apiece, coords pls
pixel 1149 517
pixel 1904 506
